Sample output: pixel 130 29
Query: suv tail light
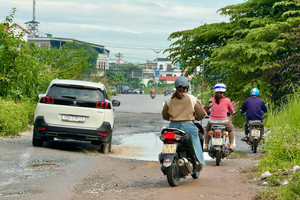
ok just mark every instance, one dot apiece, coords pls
pixel 47 100
pixel 103 104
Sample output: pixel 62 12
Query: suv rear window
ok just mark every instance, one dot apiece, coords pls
pixel 78 93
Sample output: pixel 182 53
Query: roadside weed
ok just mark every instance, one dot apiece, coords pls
pixel 282 148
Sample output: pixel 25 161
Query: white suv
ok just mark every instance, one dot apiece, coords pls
pixel 73 109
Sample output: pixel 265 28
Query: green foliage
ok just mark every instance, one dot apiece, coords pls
pixel 259 47
pixel 288 192
pixel 87 51
pixel 122 74
pixel 239 120
pixel 26 70
pixel 282 149
pixel 283 145
pixel 14 117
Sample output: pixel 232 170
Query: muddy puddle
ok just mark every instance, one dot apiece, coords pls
pixel 142 146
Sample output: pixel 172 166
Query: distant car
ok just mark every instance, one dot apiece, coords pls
pixel 73 109
pixel 124 89
pixel 138 91
pixel 129 91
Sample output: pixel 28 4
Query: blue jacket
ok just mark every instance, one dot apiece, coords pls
pixel 254 108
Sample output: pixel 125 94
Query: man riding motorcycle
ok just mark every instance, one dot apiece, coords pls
pixel 254 108
pixel 181 110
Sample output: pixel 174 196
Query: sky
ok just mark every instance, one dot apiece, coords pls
pixel 135 28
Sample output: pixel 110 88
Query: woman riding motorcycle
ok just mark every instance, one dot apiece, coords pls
pixel 181 110
pixel 218 114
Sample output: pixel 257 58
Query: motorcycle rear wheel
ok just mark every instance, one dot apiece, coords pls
pixel 254 145
pixel 218 158
pixel 173 173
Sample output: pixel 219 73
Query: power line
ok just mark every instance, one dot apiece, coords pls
pixel 134 47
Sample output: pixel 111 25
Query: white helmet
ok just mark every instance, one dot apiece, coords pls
pixel 220 87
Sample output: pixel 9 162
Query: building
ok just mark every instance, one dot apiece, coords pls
pixel 102 61
pixel 160 69
pixel 18 31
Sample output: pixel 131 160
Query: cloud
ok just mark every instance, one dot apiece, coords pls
pixel 144 23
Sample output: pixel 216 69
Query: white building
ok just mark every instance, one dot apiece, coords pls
pixel 19 30
pixel 161 68
pixel 103 54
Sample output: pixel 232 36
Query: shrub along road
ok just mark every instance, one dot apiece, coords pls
pixel 75 170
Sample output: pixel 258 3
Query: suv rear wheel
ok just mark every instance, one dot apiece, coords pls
pixel 36 141
pixel 106 148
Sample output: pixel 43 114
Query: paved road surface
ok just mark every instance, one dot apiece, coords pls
pixel 75 170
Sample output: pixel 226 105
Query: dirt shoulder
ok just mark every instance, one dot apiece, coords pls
pixel 132 179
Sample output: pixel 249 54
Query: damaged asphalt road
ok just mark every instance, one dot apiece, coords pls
pixel 76 170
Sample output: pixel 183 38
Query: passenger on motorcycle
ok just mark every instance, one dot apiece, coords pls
pixel 181 110
pixel 254 108
pixel 218 114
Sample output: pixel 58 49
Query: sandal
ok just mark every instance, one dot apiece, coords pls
pixel 205 149
pixel 245 139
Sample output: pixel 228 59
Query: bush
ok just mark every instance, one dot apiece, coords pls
pixel 15 117
pixel 282 149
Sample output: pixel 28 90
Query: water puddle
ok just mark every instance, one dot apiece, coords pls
pixel 140 146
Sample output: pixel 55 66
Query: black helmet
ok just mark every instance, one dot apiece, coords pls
pixel 181 81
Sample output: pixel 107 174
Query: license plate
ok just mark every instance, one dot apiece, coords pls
pixel 255 133
pixel 71 118
pixel 169 148
pixel 217 141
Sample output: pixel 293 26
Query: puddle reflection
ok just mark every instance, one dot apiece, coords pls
pixel 142 146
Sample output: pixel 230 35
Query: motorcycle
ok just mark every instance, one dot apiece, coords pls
pixel 218 146
pixel 178 158
pixel 152 95
pixel 255 133
pixel 166 93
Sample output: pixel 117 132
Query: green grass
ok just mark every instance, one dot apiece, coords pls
pixel 15 117
pixel 237 154
pixel 282 148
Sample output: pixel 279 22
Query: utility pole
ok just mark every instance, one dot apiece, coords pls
pixel 202 98
pixel 157 51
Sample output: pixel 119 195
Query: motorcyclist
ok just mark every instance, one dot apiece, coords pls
pixel 218 114
pixel 152 91
pixel 254 108
pixel 181 110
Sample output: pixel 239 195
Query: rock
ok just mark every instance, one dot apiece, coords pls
pixel 285 182
pixel 296 168
pixel 265 175
pixel 265 183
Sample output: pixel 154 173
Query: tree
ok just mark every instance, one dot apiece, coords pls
pixel 26 69
pixel 245 50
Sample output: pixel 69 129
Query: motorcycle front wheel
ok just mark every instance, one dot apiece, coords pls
pixel 173 173
pixel 195 175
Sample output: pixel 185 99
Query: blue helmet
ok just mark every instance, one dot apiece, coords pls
pixel 181 81
pixel 254 91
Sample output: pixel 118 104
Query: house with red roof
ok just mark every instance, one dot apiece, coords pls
pixel 18 30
